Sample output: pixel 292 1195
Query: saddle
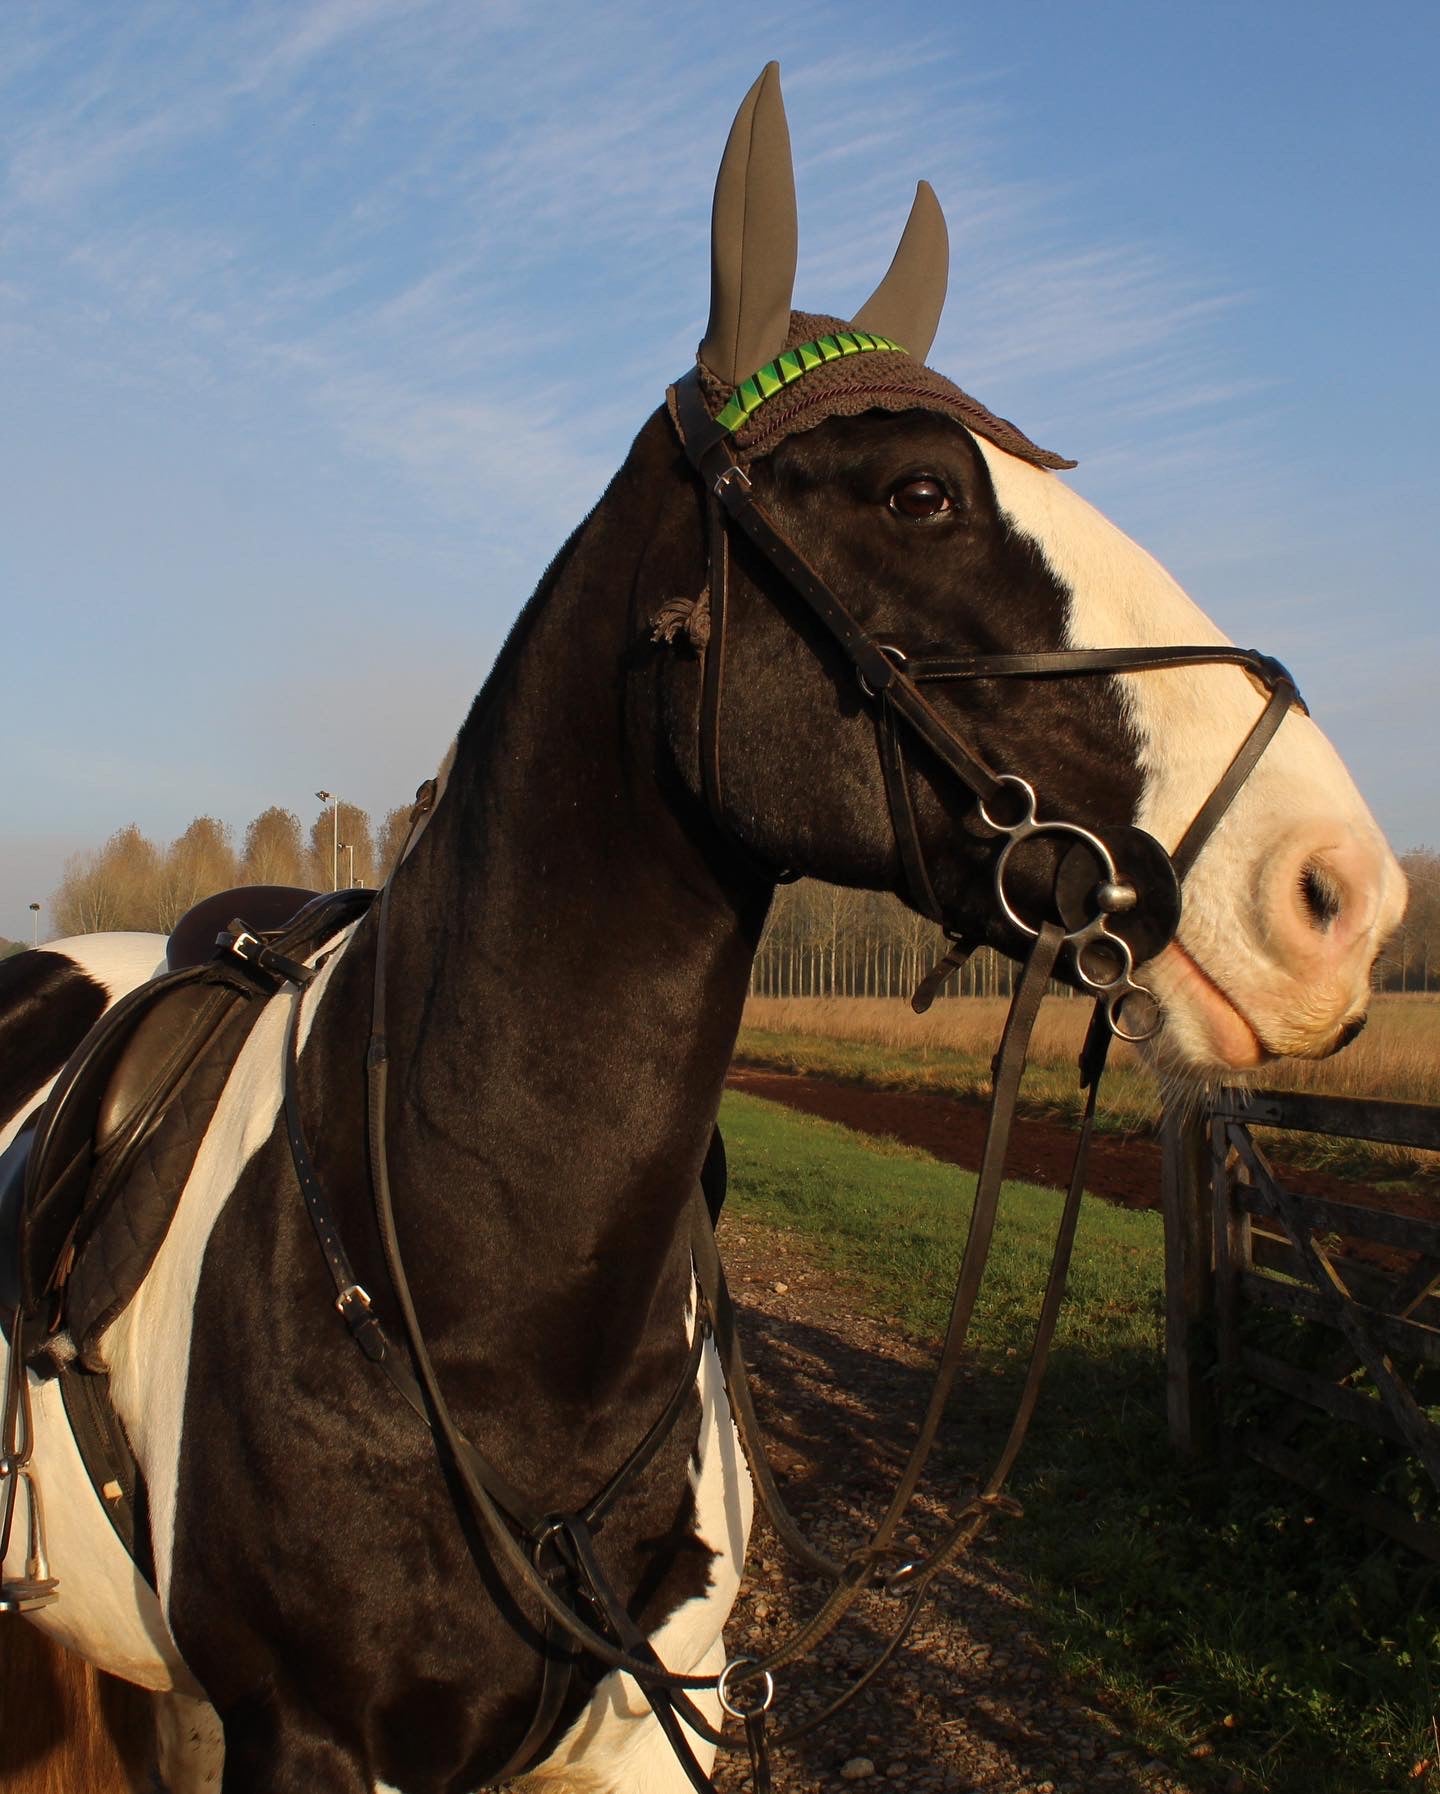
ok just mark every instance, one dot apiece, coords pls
pixel 89 1187
pixel 113 1145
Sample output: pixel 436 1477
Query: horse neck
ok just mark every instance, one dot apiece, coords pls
pixel 566 965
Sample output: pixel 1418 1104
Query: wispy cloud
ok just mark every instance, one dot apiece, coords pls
pixel 449 253
pixel 467 243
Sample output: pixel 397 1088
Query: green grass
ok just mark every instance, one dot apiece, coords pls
pixel 1184 1596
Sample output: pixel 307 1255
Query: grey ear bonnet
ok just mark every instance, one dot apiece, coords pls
pixel 773 371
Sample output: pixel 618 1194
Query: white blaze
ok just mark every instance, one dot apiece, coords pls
pixel 1298 808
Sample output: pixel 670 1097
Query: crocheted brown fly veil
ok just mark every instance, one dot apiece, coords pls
pixel 875 381
pixel 767 371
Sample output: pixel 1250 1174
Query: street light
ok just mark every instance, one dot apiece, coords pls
pixel 349 847
pixel 329 797
pixel 35 911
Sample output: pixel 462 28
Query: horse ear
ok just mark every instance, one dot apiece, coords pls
pixel 906 305
pixel 752 238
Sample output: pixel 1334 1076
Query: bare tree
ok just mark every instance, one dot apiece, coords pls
pixel 393 833
pixel 822 940
pixel 329 860
pixel 274 853
pixel 1410 960
pixel 117 886
pixel 196 864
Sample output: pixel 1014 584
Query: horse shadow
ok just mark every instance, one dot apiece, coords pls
pixel 971 1700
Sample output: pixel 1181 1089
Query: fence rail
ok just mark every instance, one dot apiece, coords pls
pixel 1358 1344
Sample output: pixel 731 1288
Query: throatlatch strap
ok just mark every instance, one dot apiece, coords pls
pixel 902 815
pixel 712 673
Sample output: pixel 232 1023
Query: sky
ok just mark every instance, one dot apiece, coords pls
pixel 322 322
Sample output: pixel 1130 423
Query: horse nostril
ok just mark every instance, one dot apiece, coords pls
pixel 1349 1030
pixel 1320 893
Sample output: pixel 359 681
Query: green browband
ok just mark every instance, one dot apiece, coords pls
pixel 788 367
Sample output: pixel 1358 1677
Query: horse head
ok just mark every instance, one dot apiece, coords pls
pixel 908 535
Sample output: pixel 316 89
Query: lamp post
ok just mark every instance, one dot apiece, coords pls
pixel 329 797
pixel 35 911
pixel 349 847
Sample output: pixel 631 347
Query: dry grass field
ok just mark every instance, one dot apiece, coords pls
pixel 1398 1055
pixel 882 1041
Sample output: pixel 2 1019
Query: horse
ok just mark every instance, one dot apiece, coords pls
pixel 674 724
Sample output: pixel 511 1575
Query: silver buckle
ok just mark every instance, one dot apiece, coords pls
pixel 893 654
pixel 733 474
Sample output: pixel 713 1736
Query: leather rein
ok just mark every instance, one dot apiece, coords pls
pixel 551 1557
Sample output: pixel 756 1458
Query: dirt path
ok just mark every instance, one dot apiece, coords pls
pixel 1123 1168
pixel 972 1702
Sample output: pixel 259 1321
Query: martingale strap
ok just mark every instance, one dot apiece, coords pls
pixel 552 1556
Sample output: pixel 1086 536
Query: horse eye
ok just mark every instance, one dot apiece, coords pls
pixel 920 498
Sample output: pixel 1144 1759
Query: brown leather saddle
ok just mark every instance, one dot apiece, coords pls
pixel 113 1145
pixel 91 1185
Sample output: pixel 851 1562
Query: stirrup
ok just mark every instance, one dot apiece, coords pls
pixel 28 1593
pixel 37 1587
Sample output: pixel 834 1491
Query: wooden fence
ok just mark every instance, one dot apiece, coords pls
pixel 1291 1315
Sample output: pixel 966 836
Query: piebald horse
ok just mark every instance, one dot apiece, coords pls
pixel 667 730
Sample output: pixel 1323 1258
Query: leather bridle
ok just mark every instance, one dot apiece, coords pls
pixel 551 1557
pixel 1137 879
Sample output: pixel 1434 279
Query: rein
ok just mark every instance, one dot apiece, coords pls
pixel 551 1557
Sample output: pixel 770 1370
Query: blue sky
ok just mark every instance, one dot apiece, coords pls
pixel 323 322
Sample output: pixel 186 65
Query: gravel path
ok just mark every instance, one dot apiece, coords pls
pixel 972 1702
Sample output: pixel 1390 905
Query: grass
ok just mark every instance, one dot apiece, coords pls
pixel 1207 1609
pixel 882 1043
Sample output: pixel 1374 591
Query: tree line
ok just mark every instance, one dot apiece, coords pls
pixel 827 941
pixel 133 882
pixel 1410 959
pixel 819 940
pixel 822 941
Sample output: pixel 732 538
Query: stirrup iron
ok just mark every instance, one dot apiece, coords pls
pixel 37 1587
